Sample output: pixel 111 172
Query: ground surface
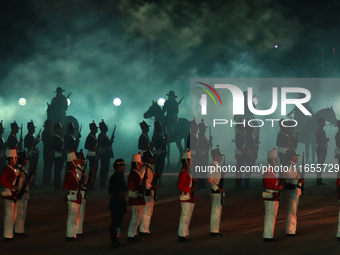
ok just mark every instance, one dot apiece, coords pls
pixel 242 223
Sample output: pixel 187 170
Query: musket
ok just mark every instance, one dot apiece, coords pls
pixel 38 136
pixel 303 174
pixel 112 137
pixel 69 95
pixel 180 101
pixel 20 141
pixel 222 182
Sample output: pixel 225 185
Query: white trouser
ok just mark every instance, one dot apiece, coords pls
pixel 10 215
pixel 21 214
pixel 293 202
pixel 146 219
pixel 137 214
pixel 216 211
pixel 184 220
pixel 82 208
pixel 338 233
pixel 72 219
pixel 271 208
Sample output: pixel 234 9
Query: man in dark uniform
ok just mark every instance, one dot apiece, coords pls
pixel 30 143
pixel 59 105
pixel 47 135
pixel 203 151
pixel 118 192
pixel 193 139
pixel 159 143
pixel 58 147
pixel 3 147
pixel 71 143
pixel 104 153
pixel 321 149
pixel 240 154
pixel 91 144
pixel 144 140
pixel 251 148
pixel 283 141
pixel 12 141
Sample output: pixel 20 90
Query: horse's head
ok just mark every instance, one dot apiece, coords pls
pixel 330 116
pixel 154 111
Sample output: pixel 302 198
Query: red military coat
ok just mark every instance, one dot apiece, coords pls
pixel 135 189
pixel 184 184
pixel 271 182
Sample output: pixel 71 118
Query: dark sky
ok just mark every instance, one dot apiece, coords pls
pixel 139 50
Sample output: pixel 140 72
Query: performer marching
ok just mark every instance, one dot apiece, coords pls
pixel 73 182
pixel 48 152
pixel 91 144
pixel 216 195
pixel 30 143
pixel 148 176
pixel 58 147
pixel 321 149
pixel 271 197
pixel 118 192
pixel 104 153
pixel 187 185
pixel 10 180
pixel 136 198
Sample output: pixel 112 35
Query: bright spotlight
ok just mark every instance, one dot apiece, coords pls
pixel 161 101
pixel 276 46
pixel 117 101
pixel 68 101
pixel 22 101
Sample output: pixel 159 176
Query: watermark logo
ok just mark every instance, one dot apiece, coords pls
pixel 203 100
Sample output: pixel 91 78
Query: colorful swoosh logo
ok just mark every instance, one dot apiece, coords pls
pixel 209 93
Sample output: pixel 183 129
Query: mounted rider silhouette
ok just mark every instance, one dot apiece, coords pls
pixel 171 109
pixel 58 107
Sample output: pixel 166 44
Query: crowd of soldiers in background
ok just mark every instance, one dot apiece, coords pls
pixel 145 175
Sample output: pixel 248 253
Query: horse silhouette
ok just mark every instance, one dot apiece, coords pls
pixel 308 126
pixel 176 133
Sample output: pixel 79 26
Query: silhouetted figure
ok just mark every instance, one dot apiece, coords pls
pixel 251 147
pixel 91 145
pixel 159 142
pixel 203 151
pixel 321 149
pixel 12 141
pixel 170 109
pixel 3 147
pixel 144 140
pixel 47 135
pixel 57 109
pixel 58 147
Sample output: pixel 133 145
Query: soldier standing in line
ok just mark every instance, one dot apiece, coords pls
pixel 148 175
pixel 159 142
pixel 136 197
pixel 58 147
pixel 187 185
pixel 91 144
pixel 271 197
pixel 104 154
pixel 46 137
pixel 251 148
pixel 25 180
pixel 283 141
pixel 3 147
pixel 293 190
pixel 30 143
pixel 9 179
pixel 118 192
pixel 12 141
pixel 74 180
pixel 203 151
pixel 240 154
pixel 215 181
pixel 193 144
pixel 71 143
pixel 337 153
pixel 144 140
pixel 321 149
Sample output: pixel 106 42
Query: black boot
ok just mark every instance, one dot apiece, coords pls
pixel 115 243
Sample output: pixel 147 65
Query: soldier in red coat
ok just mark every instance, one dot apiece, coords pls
pixel 8 179
pixel 271 197
pixel 136 197
pixel 73 181
pixel 187 185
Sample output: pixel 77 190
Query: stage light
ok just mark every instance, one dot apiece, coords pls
pixel 161 101
pixel 117 101
pixel 276 46
pixel 22 101
pixel 68 101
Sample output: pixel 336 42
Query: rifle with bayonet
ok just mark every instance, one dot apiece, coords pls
pixel 111 140
pixel 20 141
